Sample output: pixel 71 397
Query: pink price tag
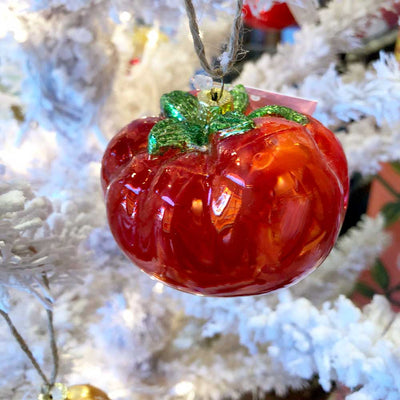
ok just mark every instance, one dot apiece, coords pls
pixel 260 98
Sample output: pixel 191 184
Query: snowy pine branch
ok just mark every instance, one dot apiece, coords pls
pixel 361 93
pixel 37 237
pixel 354 252
pixel 122 331
pixel 69 63
pixel 316 45
pixel 367 146
pixel 368 96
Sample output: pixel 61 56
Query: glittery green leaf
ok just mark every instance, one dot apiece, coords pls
pixel 172 133
pixel 280 111
pixel 240 98
pixel 189 121
pixel 230 123
pixel 206 114
pixel 179 105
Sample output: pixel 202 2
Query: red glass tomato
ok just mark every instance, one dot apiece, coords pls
pixel 249 214
pixel 277 17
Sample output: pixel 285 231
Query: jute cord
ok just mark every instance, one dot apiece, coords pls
pixel 25 348
pixel 228 58
pixel 53 344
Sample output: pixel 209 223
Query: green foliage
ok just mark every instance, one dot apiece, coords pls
pixel 380 275
pixel 396 166
pixel 364 289
pixel 391 212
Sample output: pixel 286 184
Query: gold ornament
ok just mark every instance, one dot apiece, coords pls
pixel 217 98
pixel 144 36
pixel 86 392
pixel 397 47
pixel 75 392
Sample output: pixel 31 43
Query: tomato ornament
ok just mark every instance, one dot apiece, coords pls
pixel 277 17
pixel 217 198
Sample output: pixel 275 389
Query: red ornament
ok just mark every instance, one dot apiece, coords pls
pixel 392 16
pixel 247 214
pixel 277 17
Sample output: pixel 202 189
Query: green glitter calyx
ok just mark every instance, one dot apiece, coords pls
pixel 280 111
pixel 189 123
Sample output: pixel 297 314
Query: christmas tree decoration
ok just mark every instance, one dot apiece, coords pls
pixel 86 392
pixel 64 64
pixel 224 200
pixel 277 17
pixel 397 47
pixel 143 35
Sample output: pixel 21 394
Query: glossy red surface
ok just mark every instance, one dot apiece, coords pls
pixel 277 17
pixel 256 212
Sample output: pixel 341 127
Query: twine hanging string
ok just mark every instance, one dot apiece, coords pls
pixel 50 327
pixel 25 348
pixel 228 58
pixel 20 340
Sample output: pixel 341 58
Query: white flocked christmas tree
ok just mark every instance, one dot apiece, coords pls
pixel 67 84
